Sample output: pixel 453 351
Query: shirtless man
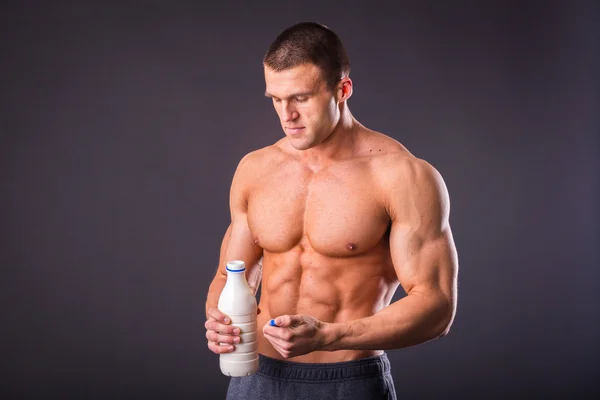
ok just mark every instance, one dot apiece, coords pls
pixel 341 215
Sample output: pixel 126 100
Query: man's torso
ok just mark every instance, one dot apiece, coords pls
pixel 325 237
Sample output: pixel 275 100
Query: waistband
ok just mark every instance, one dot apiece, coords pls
pixel 318 372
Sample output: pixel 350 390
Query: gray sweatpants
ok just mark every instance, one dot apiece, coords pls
pixel 364 379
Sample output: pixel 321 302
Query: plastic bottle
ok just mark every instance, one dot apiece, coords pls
pixel 238 302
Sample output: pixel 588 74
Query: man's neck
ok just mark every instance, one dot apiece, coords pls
pixel 339 145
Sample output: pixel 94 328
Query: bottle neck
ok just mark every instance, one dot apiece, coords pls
pixel 237 276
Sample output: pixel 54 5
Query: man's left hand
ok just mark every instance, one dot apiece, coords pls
pixel 295 335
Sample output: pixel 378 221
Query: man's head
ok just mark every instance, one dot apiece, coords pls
pixel 309 42
pixel 306 73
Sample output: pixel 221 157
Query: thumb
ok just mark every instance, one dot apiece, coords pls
pixel 286 321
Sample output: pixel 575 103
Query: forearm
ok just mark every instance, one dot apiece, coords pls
pixel 238 244
pixel 411 320
pixel 214 291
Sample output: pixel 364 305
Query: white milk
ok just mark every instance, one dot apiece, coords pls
pixel 238 302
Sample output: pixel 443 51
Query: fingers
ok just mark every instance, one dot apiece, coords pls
pixel 220 344
pixel 284 348
pixel 220 334
pixel 277 332
pixel 217 315
pixel 286 321
pixel 212 325
pixel 222 339
pixel 220 349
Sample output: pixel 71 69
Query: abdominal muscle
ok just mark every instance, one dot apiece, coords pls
pixel 341 289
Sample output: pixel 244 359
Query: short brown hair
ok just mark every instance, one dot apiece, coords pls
pixel 309 42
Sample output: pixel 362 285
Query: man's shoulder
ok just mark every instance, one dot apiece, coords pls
pixel 252 167
pixel 387 155
pixel 408 184
pixel 258 160
pixel 395 166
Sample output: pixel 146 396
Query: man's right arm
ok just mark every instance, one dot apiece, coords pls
pixel 238 244
pixel 218 282
pixel 231 250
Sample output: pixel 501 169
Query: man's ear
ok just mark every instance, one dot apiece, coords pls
pixel 345 89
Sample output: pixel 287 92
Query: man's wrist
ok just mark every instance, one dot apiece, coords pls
pixel 334 334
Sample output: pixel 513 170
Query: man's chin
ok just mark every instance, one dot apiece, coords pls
pixel 300 144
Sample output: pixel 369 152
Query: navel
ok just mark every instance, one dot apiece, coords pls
pixel 351 246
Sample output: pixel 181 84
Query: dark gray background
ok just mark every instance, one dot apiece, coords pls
pixel 122 126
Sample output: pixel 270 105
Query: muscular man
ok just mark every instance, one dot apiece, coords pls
pixel 341 215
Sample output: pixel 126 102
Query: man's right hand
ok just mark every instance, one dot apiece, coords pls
pixel 221 336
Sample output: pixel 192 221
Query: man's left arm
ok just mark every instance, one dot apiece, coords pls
pixel 426 263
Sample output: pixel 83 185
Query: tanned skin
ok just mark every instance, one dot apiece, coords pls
pixel 341 215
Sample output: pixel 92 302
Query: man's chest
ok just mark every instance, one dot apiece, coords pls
pixel 336 212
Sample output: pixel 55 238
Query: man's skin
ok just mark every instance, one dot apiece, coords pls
pixel 342 215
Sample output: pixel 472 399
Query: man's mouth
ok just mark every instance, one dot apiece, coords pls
pixel 294 129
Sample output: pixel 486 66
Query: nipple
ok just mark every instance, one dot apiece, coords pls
pixel 351 246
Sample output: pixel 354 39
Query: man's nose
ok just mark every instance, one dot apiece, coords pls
pixel 288 113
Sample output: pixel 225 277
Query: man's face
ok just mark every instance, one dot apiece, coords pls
pixel 306 107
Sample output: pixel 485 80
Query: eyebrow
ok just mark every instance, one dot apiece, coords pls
pixel 299 94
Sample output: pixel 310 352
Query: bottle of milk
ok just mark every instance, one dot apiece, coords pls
pixel 238 302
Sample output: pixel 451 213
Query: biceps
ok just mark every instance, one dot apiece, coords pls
pixel 428 264
pixel 238 244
